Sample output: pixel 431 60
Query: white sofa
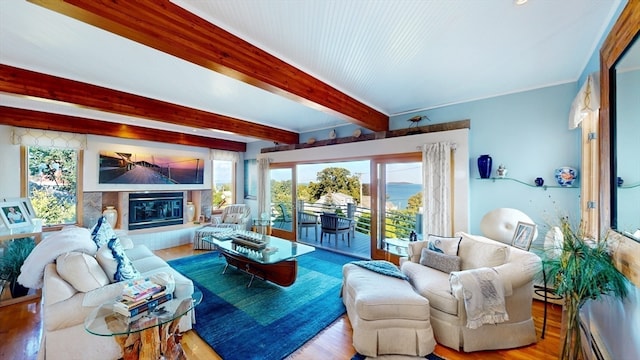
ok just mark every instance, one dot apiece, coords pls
pixel 516 269
pixel 71 291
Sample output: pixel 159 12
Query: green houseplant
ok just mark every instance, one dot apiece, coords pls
pixel 580 270
pixel 12 258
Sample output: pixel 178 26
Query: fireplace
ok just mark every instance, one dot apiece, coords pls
pixel 147 210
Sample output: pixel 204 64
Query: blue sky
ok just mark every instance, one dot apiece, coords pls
pixel 409 172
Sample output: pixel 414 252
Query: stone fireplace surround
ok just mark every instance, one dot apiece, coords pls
pixel 155 238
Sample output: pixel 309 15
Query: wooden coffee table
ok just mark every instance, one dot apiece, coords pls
pixel 271 258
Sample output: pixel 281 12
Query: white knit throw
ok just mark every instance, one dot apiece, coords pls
pixel 483 295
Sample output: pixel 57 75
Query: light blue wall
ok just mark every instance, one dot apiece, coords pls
pixel 528 133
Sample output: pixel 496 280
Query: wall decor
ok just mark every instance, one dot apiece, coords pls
pixel 139 168
pixel 523 236
pixel 566 175
pixel 251 179
pixel 14 215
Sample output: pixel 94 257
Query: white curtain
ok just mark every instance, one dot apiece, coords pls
pixel 225 155
pixel 264 190
pixel 437 202
pixel 48 138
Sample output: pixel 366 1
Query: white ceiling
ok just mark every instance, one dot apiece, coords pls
pixel 397 56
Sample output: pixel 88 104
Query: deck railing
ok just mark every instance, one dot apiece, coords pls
pixel 398 224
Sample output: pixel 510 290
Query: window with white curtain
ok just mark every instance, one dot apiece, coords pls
pixel 52 173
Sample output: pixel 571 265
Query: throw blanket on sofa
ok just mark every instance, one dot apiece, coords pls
pixel 71 238
pixel 382 267
pixel 483 295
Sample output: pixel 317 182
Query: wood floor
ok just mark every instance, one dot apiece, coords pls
pixel 21 329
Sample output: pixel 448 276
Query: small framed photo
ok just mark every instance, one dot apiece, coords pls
pixel 523 236
pixel 26 202
pixel 14 215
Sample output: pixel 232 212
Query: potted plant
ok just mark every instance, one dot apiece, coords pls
pixel 580 270
pixel 11 260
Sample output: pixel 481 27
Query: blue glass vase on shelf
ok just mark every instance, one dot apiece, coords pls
pixel 484 166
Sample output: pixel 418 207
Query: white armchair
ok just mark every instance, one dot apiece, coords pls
pixel 234 216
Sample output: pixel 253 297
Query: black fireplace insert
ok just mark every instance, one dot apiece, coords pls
pixel 148 210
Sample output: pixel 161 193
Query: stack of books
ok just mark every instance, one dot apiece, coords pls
pixel 139 296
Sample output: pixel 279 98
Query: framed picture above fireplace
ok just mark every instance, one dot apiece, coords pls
pixel 142 168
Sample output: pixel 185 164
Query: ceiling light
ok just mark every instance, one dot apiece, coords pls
pixel 520 2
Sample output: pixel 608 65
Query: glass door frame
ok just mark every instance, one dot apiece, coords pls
pixel 283 233
pixel 377 252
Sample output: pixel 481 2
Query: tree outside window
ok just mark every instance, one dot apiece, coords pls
pixel 53 184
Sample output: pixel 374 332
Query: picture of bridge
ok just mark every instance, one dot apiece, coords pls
pixel 130 168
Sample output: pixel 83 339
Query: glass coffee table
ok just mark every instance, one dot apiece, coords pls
pixel 105 321
pixel 264 256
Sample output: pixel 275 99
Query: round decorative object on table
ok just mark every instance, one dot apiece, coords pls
pixel 566 175
pixel 111 214
pixel 539 181
pixel 484 166
pixel 191 211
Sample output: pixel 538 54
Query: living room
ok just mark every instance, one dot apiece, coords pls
pixel 526 131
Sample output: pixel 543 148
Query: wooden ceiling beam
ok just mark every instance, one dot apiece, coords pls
pixel 48 121
pixel 30 83
pixel 169 28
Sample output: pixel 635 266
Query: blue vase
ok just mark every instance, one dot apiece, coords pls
pixel 484 166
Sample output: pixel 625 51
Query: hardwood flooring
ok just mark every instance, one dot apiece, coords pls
pixel 21 330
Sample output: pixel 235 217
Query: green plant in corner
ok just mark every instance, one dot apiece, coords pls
pixel 13 256
pixel 581 270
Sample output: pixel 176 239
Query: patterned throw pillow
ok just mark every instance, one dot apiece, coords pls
pixel 102 232
pixel 443 244
pixel 115 263
pixel 442 262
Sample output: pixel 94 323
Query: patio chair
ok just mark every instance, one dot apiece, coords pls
pixel 334 224
pixel 284 216
pixel 306 221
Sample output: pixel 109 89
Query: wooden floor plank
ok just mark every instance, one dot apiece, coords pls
pixel 21 329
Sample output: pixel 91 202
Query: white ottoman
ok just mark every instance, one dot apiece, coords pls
pixel 386 314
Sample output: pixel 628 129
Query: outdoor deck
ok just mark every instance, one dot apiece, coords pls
pixel 360 244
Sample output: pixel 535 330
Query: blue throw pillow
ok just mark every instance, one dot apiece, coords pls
pixel 102 232
pixel 125 269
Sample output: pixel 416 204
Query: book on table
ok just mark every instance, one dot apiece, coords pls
pixel 140 289
pixel 125 307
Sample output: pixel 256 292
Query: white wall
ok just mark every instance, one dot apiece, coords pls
pixel 10 165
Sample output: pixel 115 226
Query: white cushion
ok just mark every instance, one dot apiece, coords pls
pixel 477 252
pixel 233 218
pixel 81 270
pixel 444 244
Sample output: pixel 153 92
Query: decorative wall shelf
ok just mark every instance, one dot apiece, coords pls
pixel 544 187
pixel 630 186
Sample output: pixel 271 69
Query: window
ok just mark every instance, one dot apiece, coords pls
pixel 52 178
pixel 223 192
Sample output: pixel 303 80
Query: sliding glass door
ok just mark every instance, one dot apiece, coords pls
pixel 397 190
pixel 282 201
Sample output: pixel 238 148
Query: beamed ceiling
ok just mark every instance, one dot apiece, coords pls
pixel 220 74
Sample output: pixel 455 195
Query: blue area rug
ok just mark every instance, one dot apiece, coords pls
pixel 265 321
